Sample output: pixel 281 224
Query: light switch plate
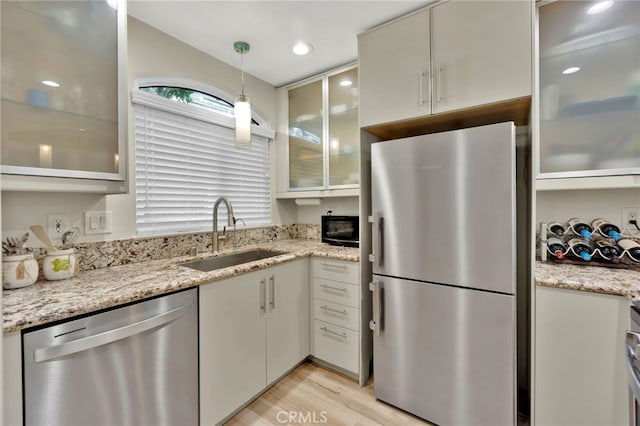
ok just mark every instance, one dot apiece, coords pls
pixel 98 222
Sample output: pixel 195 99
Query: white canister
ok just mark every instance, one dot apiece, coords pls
pixel 60 264
pixel 19 270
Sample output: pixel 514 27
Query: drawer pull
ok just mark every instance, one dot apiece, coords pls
pixel 331 265
pixel 326 330
pixel 328 287
pixel 326 308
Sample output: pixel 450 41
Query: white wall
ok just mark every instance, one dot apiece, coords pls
pixel 587 204
pixel 151 53
pixel 338 206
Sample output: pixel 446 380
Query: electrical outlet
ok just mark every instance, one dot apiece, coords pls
pixel 57 224
pixel 629 214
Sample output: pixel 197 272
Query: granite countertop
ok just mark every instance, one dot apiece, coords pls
pixel 89 291
pixel 596 279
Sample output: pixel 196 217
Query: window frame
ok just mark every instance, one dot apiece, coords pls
pixel 142 98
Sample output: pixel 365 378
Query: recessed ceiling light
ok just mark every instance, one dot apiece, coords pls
pixel 346 83
pixel 601 6
pixel 302 48
pixel 571 70
pixel 50 83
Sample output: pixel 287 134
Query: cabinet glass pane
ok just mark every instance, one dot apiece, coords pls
pixel 305 136
pixel 589 88
pixel 344 133
pixel 60 85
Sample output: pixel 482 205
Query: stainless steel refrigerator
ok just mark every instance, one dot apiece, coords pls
pixel 444 275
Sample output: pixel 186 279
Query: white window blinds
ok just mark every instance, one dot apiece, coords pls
pixel 184 164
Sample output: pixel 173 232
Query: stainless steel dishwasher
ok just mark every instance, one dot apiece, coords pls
pixel 134 365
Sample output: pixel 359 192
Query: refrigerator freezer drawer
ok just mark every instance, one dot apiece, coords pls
pixel 337 292
pixel 336 345
pixel 333 313
pixel 446 354
pixel 335 270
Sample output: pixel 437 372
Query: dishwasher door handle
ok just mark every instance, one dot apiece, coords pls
pixel 110 336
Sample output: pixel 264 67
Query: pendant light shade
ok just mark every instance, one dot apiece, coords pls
pixel 242 107
pixel 242 111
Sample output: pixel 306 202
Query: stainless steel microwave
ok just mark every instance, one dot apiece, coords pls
pixel 341 230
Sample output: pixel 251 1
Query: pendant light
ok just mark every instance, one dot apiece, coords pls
pixel 242 107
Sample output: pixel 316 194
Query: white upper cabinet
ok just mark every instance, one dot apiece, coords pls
pixel 322 136
pixel 481 52
pixel 589 91
pixel 455 55
pixel 63 84
pixel 394 71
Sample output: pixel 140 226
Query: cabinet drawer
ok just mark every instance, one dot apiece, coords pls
pixel 333 313
pixel 336 345
pixel 335 270
pixel 337 292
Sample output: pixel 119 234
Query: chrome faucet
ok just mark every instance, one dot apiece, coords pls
pixel 230 221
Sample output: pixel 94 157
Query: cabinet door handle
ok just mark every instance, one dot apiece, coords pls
pixel 439 83
pixel 328 287
pixel 332 265
pixel 420 89
pixel 326 308
pixel 326 330
pixel 421 77
pixel 263 295
pixel 272 292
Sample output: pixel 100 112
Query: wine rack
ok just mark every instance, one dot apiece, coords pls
pixel 623 259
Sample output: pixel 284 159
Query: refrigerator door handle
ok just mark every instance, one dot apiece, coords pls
pixel 375 323
pixel 378 239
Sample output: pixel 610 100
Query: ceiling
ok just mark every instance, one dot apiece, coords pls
pixel 271 28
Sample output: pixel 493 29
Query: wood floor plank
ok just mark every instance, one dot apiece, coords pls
pixel 312 394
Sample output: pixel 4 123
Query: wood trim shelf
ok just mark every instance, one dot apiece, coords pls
pixel 516 110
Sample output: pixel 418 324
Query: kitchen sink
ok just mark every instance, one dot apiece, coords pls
pixel 224 261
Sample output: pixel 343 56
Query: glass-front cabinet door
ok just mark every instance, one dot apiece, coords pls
pixel 306 136
pixel 589 88
pixel 60 88
pixel 344 133
pixel 324 137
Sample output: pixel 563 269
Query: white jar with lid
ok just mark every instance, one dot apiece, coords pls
pixel 19 270
pixel 60 264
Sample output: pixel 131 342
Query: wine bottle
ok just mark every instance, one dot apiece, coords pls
pixel 580 248
pixel 631 247
pixel 608 250
pixel 556 247
pixel 556 229
pixel 606 228
pixel 580 227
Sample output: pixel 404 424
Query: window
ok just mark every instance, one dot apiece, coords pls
pixel 185 158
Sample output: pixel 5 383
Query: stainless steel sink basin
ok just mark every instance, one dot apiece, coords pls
pixel 224 261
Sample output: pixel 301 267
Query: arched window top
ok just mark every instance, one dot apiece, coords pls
pixel 199 94
pixel 193 97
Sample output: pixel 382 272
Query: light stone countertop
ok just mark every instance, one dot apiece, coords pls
pixel 596 279
pixel 93 290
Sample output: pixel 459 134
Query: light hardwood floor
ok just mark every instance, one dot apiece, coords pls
pixel 314 395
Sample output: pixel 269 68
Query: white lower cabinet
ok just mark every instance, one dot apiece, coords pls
pixel 253 329
pixel 12 379
pixel 336 312
pixel 579 370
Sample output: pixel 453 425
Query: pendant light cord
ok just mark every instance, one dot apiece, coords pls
pixel 242 71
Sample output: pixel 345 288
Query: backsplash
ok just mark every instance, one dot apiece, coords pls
pixel 101 254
